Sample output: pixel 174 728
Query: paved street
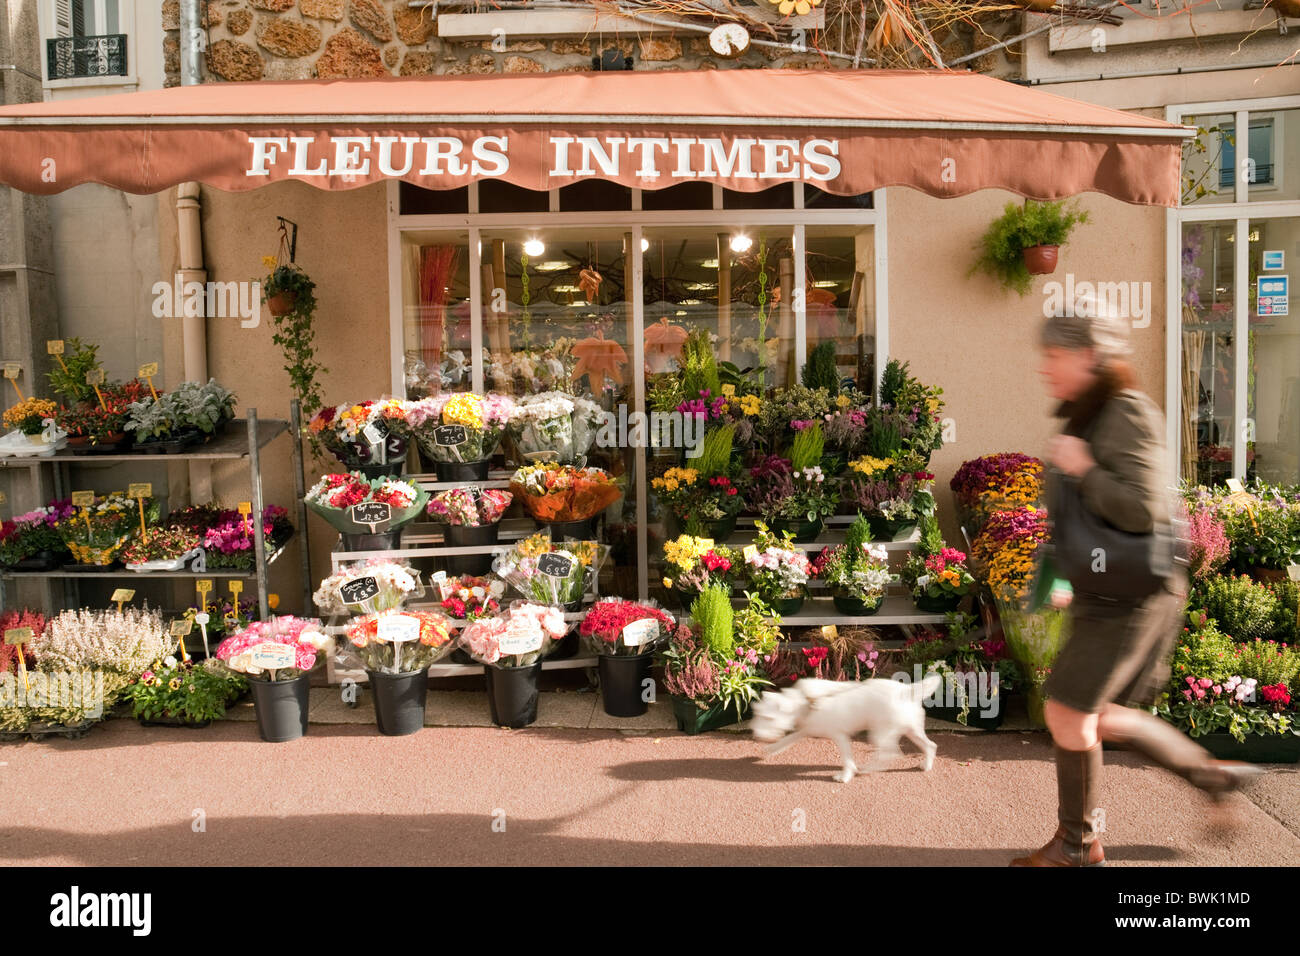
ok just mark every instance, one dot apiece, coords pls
pixel 583 794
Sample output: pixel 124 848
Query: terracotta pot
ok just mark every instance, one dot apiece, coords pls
pixel 281 303
pixel 1040 260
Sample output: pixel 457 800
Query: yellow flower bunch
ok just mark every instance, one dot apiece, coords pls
pixel 535 545
pixel 464 408
pixel 686 551
pixel 584 551
pixel 842 401
pixel 269 262
pixel 750 404
pixel 1024 489
pixel 675 478
pixel 1012 570
pixel 17 414
pixel 728 391
pixel 869 466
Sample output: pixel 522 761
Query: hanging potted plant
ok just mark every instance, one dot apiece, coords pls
pixel 624 636
pixel 398 647
pixel 511 649
pixel 284 286
pixel 277 656
pixel 1024 241
pixel 473 519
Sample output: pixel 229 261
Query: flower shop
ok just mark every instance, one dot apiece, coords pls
pixel 631 410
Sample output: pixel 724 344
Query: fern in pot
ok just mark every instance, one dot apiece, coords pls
pixel 1025 240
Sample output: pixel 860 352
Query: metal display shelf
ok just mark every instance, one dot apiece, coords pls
pixel 243 440
pixel 831 535
pixel 894 609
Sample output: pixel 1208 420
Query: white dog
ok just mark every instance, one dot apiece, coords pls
pixel 836 710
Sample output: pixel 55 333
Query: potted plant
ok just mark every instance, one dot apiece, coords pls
pixel 345 501
pixel 97 534
pixel 473 519
pixel 1025 239
pixel 277 656
pixel 714 667
pixel 33 418
pixel 624 636
pixel 31 541
pixel 95 428
pixel 158 426
pixel 857 571
pixel 166 549
pixel 892 500
pixel 228 541
pixel 778 572
pixel 977 673
pixel 554 426
pixel 367 437
pixel 511 649
pixel 205 409
pixel 827 653
pixel 459 431
pixel 992 483
pixel 285 287
pixel 67 379
pixel 176 693
pixel 691 564
pixel 398 647
pixel 936 575
pixel 565 498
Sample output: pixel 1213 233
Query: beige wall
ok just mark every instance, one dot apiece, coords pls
pixel 978 340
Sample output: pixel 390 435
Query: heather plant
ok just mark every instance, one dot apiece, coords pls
pixel 1208 545
pixel 124 642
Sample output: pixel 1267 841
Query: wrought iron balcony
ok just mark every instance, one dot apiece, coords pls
pixel 74 57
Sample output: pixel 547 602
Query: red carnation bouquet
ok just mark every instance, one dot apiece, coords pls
pixel 619 627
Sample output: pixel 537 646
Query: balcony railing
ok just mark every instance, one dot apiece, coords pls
pixel 75 57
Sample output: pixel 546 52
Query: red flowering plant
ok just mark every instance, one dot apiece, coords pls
pixel 96 422
pixel 335 496
pixel 469 597
pixel 9 652
pixel 618 627
pixel 976 669
pixel 834 653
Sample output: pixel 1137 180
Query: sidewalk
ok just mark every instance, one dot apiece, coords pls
pixel 572 791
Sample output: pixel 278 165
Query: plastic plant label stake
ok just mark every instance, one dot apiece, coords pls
pixel 750 552
pixel 245 509
pixel 12 371
pixel 18 636
pixel 1235 485
pixel 121 596
pixel 141 491
pixel 83 499
pixel 204 587
pixel 147 372
pixel 201 619
pixel 236 587
pixel 640 632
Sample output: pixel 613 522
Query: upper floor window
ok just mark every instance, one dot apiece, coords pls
pixel 86 40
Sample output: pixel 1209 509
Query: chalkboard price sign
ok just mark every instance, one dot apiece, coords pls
pixel 555 565
pixel 449 436
pixel 359 589
pixel 372 512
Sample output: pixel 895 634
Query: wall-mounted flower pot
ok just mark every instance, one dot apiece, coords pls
pixel 461 536
pixel 1040 260
pixel 622 682
pixel 281 303
pixel 399 701
pixel 512 694
pixel 463 470
pixel 281 708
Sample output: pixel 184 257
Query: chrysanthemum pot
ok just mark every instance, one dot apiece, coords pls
pixel 463 536
pixel 281 707
pixel 399 701
pixel 851 605
pixel 1041 260
pixel 804 531
pixel 623 682
pixel 512 694
pixel 462 470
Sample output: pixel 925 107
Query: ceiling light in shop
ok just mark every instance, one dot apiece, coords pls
pixel 552 265
pixel 825 284
pixel 709 263
pixel 681 312
pixel 741 242
pixel 691 302
pixel 645 244
pixel 701 286
pixel 566 288
pixel 534 247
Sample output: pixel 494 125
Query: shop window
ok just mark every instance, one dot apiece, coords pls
pixel 1204 161
pixel 1260 171
pixel 681 196
pixel 494 195
pixel 839 270
pixel 1209 358
pixel 774 197
pixel 436 314
pixel 814 198
pixel 415 200
pixel 595 195
pixel 1273 357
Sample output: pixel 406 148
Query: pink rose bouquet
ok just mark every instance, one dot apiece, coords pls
pixel 303 635
pixel 520 638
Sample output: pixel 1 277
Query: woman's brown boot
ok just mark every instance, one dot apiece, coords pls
pixel 1167 746
pixel 1078 773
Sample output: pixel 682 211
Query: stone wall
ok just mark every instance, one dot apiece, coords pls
pixel 302 39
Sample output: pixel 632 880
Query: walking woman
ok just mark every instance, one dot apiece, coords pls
pixel 1110 460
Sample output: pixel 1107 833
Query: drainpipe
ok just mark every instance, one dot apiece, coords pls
pixel 189 221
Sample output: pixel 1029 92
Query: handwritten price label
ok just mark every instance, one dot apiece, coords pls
pixel 83 499
pixel 54 346
pixel 398 629
pixel 273 657
pixel 182 628
pixel 203 585
pixel 142 489
pixel 149 370
pixel 18 635
pixel 95 376
pixel 235 587
pixel 122 595
pixel 13 370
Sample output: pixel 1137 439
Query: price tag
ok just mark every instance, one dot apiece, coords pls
pixel 83 499
pixel 445 588
pixel 1235 485
pixel 95 376
pixel 18 635
pixel 54 346
pixel 142 489
pixel 521 643
pixel 373 434
pixel 148 370
pixel 555 565
pixel 398 628
pixel 122 595
pixel 245 508
pixel 273 657
pixel 203 585
pixel 372 513
pixel 3 499
pixel 236 586
pixel 750 552
pixel 202 618
pixel 13 369
pixel 1293 572
pixel 475 491
pixel 830 632
pixel 358 590
pixel 449 436
pixel 706 544
pixel 182 627
pixel 641 632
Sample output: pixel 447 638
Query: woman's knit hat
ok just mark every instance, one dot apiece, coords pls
pixel 1088 325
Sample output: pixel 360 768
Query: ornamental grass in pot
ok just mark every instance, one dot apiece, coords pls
pixel 702 495
pixel 397 648
pixel 624 636
pixel 277 657
pixel 511 648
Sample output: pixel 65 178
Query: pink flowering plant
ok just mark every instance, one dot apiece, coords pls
pixel 521 637
pixel 1203 705
pixel 470 507
pixel 229 540
pixel 303 635
pixel 776 568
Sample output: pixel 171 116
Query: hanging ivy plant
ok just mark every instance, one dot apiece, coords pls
pixel 295 332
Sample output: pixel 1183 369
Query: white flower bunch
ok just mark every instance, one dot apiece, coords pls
pixel 395 582
pixel 126 642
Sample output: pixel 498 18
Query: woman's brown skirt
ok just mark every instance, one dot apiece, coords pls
pixel 1117 652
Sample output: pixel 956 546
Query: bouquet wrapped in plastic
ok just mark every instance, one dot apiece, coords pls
pixel 552 572
pixel 365 434
pixel 617 626
pixel 400 642
pixel 302 635
pixel 355 504
pixel 557 493
pixel 470 508
pixel 554 426
pixel 522 636
pixel 459 426
pixel 367 587
pixel 469 597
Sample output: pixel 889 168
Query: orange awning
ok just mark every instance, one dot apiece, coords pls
pixel 947 134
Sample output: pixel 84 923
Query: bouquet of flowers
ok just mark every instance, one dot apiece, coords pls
pixel 554 493
pixel 609 627
pixel 334 497
pixel 229 542
pixel 778 571
pixel 31 416
pixel 184 691
pixel 303 635
pixel 857 571
pixel 521 637
pixel 384 641
pixel 96 534
pixel 554 426
pixel 692 564
pixel 458 426
pixel 469 597
pixel 393 583
pixel 365 434
pixel 470 508
pixel 551 572
pixel 28 535
pixel 163 549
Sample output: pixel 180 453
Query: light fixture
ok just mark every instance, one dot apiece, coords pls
pixel 741 242
pixel 825 283
pixel 566 288
pixel 534 247
pixel 709 263
pixel 551 265
pixel 681 312
pixel 691 302
pixel 645 244
pixel 701 286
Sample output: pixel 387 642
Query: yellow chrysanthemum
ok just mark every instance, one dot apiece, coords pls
pixel 463 409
